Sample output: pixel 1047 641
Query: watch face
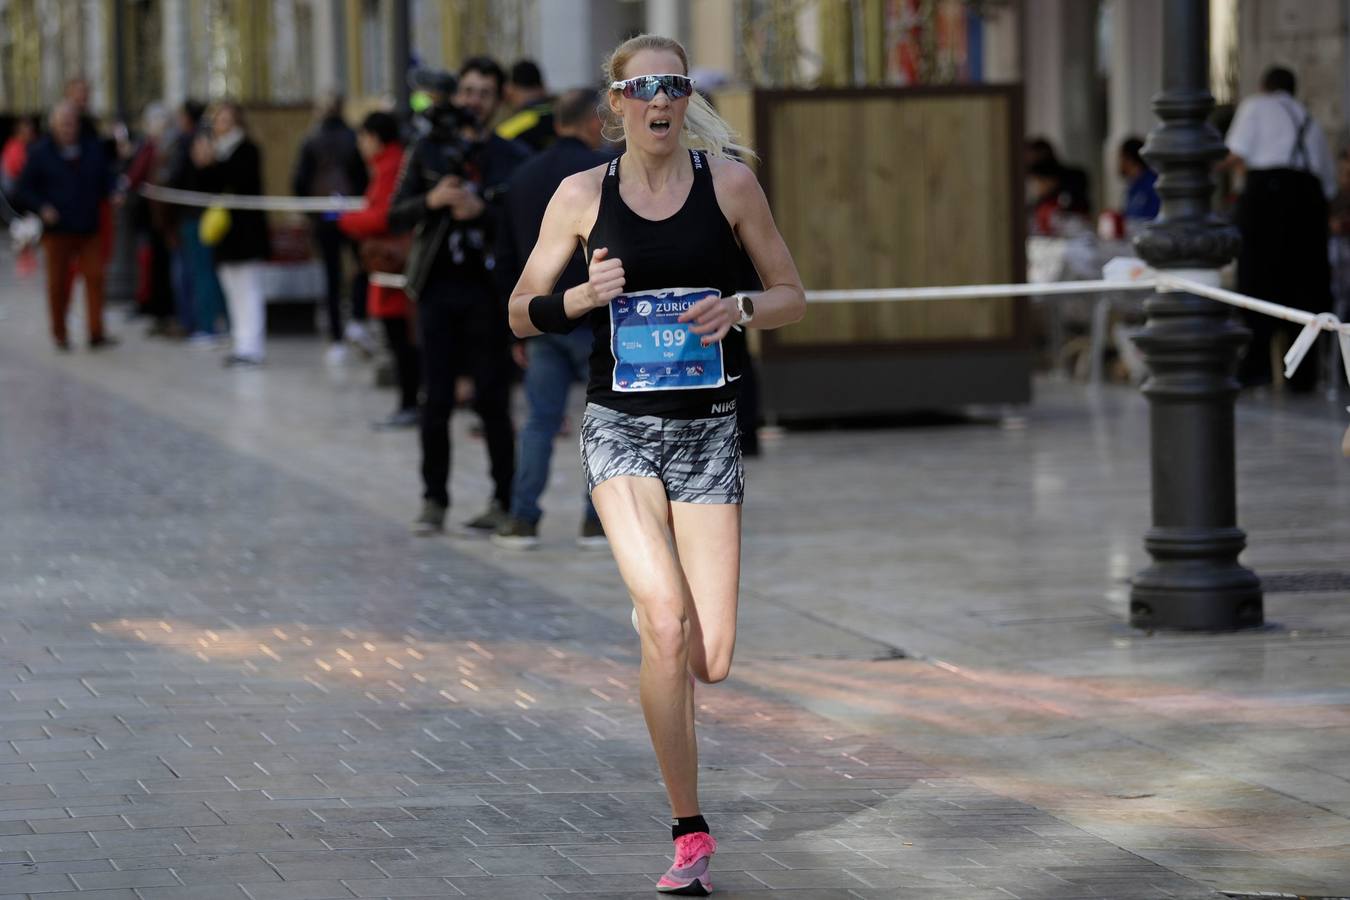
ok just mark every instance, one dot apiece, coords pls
pixel 748 305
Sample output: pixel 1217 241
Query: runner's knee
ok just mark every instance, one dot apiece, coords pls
pixel 663 630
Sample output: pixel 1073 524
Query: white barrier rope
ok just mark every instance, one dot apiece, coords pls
pixel 1135 277
pixel 1313 323
pixel 974 291
pixel 1140 278
pixel 956 292
pixel 252 202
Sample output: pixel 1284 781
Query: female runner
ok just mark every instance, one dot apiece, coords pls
pixel 659 438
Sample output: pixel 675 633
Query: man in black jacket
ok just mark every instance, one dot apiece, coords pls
pixel 451 194
pixel 329 165
pixel 555 361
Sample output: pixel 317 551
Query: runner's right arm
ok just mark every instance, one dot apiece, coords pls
pixel 532 304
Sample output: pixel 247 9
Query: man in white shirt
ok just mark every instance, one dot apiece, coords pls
pixel 1282 214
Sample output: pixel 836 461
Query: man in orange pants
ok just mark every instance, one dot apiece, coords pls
pixel 66 179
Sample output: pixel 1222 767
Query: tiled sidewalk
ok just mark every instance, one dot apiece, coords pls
pixel 222 681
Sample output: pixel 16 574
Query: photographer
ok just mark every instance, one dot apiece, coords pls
pixel 450 194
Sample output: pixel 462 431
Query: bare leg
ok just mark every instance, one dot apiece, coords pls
pixel 708 544
pixel 636 517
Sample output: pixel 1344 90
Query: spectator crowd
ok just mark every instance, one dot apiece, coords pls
pixel 453 198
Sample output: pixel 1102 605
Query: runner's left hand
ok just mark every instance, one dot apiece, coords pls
pixel 712 318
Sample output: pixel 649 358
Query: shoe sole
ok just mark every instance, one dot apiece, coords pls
pixel 482 532
pixel 695 888
pixel 515 542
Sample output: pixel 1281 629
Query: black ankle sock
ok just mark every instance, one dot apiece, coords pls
pixel 688 825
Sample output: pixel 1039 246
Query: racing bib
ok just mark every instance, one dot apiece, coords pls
pixel 653 350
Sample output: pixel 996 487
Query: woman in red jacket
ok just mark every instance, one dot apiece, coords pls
pixel 378 139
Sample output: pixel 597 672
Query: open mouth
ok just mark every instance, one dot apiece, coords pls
pixel 660 126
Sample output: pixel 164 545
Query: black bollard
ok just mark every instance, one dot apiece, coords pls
pixel 1191 345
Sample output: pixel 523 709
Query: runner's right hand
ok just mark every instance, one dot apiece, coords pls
pixel 606 278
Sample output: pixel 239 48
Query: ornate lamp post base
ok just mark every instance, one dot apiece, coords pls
pixel 1195 583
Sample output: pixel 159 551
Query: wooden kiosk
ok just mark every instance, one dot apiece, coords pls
pixel 893 187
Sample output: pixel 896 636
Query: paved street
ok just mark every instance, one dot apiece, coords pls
pixel 229 672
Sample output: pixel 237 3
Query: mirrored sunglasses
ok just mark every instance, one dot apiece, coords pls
pixel 645 87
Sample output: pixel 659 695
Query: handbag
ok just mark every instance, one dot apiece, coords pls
pixel 386 253
pixel 214 225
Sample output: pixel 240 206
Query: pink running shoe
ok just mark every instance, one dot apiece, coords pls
pixel 689 876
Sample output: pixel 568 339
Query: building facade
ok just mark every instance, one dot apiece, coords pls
pixel 1090 67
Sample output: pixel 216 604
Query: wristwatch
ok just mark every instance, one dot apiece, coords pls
pixel 745 308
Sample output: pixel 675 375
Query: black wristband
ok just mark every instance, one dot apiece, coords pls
pixel 548 313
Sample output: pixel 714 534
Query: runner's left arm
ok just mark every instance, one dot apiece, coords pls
pixel 783 300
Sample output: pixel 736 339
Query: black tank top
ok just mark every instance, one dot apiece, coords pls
pixel 693 248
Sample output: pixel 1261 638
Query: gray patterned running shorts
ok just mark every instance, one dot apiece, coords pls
pixel 698 460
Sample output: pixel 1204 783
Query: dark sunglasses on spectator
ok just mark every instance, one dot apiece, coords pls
pixel 645 87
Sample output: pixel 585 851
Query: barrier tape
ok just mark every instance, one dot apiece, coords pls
pixel 1313 323
pixel 972 291
pixel 252 202
pixel 958 292
pixel 1136 277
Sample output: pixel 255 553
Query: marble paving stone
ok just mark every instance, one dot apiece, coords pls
pixel 297 890
pixel 195 892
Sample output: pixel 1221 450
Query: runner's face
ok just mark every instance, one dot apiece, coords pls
pixel 652 125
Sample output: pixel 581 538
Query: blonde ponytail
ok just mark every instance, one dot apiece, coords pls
pixel 703 130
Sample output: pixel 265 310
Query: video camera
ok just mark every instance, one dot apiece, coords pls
pixel 445 127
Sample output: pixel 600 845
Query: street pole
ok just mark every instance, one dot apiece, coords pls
pixel 402 58
pixel 119 281
pixel 1191 345
pixel 119 33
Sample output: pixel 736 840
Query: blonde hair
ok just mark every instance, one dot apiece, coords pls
pixel 704 129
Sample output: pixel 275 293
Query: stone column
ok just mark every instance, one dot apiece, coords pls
pixel 1059 64
pixel 400 55
pixel 1135 77
pixel 1191 346
pixel 175 50
pixel 565 52
pixel 667 18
